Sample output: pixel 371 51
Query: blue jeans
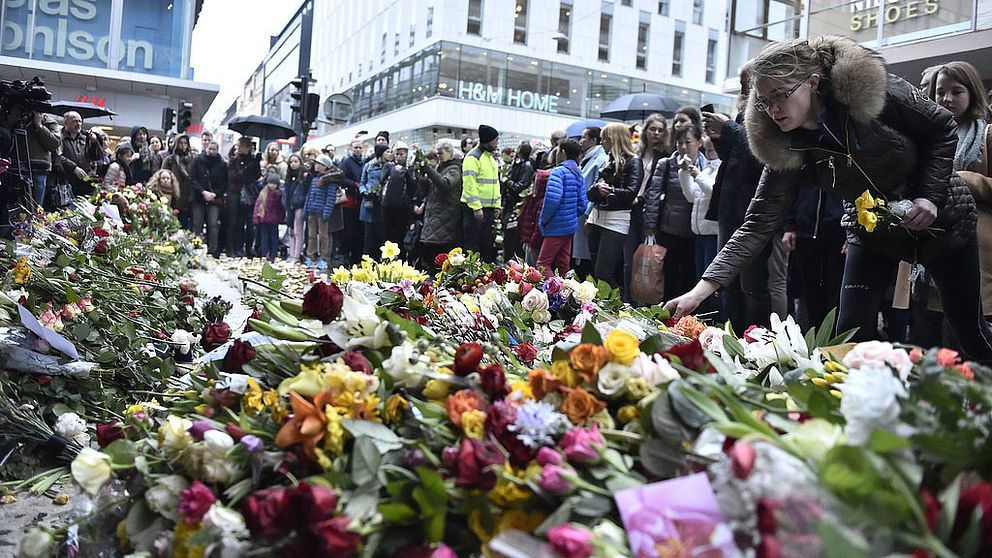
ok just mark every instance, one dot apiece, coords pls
pixel 38 193
pixel 268 235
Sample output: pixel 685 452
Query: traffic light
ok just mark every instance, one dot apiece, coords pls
pixel 184 113
pixel 168 118
pixel 299 94
pixel 311 108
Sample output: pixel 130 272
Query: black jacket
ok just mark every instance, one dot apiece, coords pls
pixel 442 220
pixel 519 178
pixel 207 174
pixel 737 178
pixel 243 170
pixel 816 214
pixel 626 183
pixel 399 188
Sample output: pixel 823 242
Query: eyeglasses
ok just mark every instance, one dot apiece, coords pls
pixel 766 104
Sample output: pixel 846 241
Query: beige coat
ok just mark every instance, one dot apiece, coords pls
pixel 979 181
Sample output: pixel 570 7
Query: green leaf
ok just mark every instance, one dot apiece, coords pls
pixel 661 459
pixel 733 347
pixel 385 439
pixel 884 441
pixel 139 517
pixel 591 335
pixel 397 513
pixel 122 453
pixel 365 461
pixel 71 296
pixel 826 330
pixel 413 329
pixel 949 509
pixel 361 503
pixel 434 528
pixel 594 507
pixel 840 542
pixel 694 408
pixel 434 484
pixel 665 424
pixel 557 517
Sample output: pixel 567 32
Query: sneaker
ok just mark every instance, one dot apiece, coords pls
pixel 308 262
pixel 321 265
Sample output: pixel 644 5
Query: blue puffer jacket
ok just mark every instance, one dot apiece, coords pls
pixel 320 198
pixel 564 200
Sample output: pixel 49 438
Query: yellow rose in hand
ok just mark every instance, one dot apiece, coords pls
pixel 622 347
pixel 864 201
pixel 868 220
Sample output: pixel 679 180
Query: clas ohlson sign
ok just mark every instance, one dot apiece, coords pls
pixel 144 36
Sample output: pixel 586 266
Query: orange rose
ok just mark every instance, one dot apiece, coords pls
pixel 579 405
pixel 460 402
pixel 542 383
pixel 587 359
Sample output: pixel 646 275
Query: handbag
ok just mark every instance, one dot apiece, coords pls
pixel 249 193
pixel 61 195
pixel 647 273
pixel 412 237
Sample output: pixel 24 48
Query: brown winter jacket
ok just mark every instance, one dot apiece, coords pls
pixel 979 181
pixel 897 143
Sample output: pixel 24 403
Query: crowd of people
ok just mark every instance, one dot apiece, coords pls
pixel 754 211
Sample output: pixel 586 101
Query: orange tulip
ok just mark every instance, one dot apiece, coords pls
pixel 307 424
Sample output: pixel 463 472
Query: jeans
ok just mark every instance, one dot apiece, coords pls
pixel 479 236
pixel 319 236
pixel 209 214
pixel 556 253
pixel 38 192
pixel 606 247
pixel 746 300
pixel 867 275
pixel 268 237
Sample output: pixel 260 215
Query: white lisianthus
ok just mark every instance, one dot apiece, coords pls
pixel 878 354
pixel 511 287
pixel 216 466
pixel 236 383
pixel 489 300
pixel 229 521
pixel 815 437
pixel 541 316
pixel 36 543
pixel 172 435
pixel 456 259
pixel 535 300
pixel 163 498
pixel 71 427
pixel 871 401
pixel 405 366
pixel 655 369
pixel 612 379
pixel 91 470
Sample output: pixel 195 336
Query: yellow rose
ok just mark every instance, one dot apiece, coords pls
pixel 627 413
pixel 91 469
pixel 564 373
pixel 622 346
pixel 473 423
pixel 172 435
pixel 436 389
pixel 308 383
pixel 524 520
pixel 522 388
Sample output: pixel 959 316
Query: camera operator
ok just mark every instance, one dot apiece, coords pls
pixel 42 140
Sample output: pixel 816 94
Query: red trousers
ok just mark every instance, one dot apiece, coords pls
pixel 556 252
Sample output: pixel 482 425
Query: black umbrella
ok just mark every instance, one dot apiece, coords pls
pixel 86 110
pixel 638 106
pixel 261 127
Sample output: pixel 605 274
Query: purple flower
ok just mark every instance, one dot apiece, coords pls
pixel 252 443
pixel 198 428
pixel 554 285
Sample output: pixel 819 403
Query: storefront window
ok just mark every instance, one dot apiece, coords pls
pixel 900 20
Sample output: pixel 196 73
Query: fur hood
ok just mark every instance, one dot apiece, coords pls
pixel 857 80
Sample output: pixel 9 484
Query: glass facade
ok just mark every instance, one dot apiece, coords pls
pixel 128 35
pixel 479 75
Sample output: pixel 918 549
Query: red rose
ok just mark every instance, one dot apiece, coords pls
pixel 769 547
pixel 494 381
pixel 225 398
pixel 499 417
pixel 108 432
pixel 931 507
pixel 336 539
pixel 323 301
pixel 188 300
pixel 467 358
pixel 195 501
pixel 215 335
pixel 498 275
pixel 767 523
pixel 43 379
pixel 234 431
pixel 100 233
pixel 265 513
pixel 101 247
pixel 311 504
pixel 357 361
pixel 471 463
pixel 326 347
pixel 239 354
pixel 978 496
pixel 127 227
pixel 440 259
pixel 425 289
pixel 691 355
pixel 526 353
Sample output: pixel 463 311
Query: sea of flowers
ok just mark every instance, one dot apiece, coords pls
pixel 490 410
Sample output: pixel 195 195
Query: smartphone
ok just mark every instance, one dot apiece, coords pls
pixel 708 108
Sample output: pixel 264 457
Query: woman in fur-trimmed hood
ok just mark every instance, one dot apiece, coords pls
pixel 827 111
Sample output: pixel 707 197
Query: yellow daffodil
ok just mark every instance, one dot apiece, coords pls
pixel 252 401
pixel 868 220
pixel 341 275
pixel 396 405
pixel 22 271
pixel 865 201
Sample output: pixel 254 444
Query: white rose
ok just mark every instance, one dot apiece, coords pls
pixel 612 380
pixel 815 437
pixel 871 401
pixel 229 521
pixel 541 316
pixel 655 369
pixel 534 301
pixel 512 288
pixel 456 259
pixel 218 441
pixel 71 427
pixel 172 435
pixel 91 470
pixel 874 354
pixel 711 339
pixel 184 340
pixel 36 543
pixel 585 291
pixel 163 498
pixel 405 366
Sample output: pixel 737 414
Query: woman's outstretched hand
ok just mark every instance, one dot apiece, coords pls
pixel 687 303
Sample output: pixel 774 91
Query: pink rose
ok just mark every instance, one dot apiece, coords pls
pixel 195 501
pixel 879 354
pixel 570 541
pixel 547 456
pixel 525 288
pixel 583 445
pixel 555 479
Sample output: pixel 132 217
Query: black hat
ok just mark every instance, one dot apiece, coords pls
pixel 379 150
pixel 487 133
pixel 383 134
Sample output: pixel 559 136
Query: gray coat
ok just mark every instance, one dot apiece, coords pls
pixel 442 217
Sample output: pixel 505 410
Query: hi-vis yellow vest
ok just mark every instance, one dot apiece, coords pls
pixel 480 180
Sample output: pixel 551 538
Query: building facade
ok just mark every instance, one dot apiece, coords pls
pixel 131 56
pixel 910 34
pixel 425 69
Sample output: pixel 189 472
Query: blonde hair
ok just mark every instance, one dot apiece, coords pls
pixel 279 157
pixel 662 145
pixel 795 60
pixel 154 183
pixel 621 145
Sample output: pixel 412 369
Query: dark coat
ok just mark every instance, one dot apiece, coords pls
pixel 530 215
pixel 180 165
pixel 518 179
pixel 442 213
pixel 398 189
pixel 323 193
pixel 891 141
pixel 207 174
pixel 626 184
pixel 816 214
pixel 297 188
pixel 737 178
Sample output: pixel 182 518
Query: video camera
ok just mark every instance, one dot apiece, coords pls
pixel 30 96
pixel 19 102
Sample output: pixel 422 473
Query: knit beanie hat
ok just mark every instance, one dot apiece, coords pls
pixel 379 150
pixel 383 134
pixel 487 133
